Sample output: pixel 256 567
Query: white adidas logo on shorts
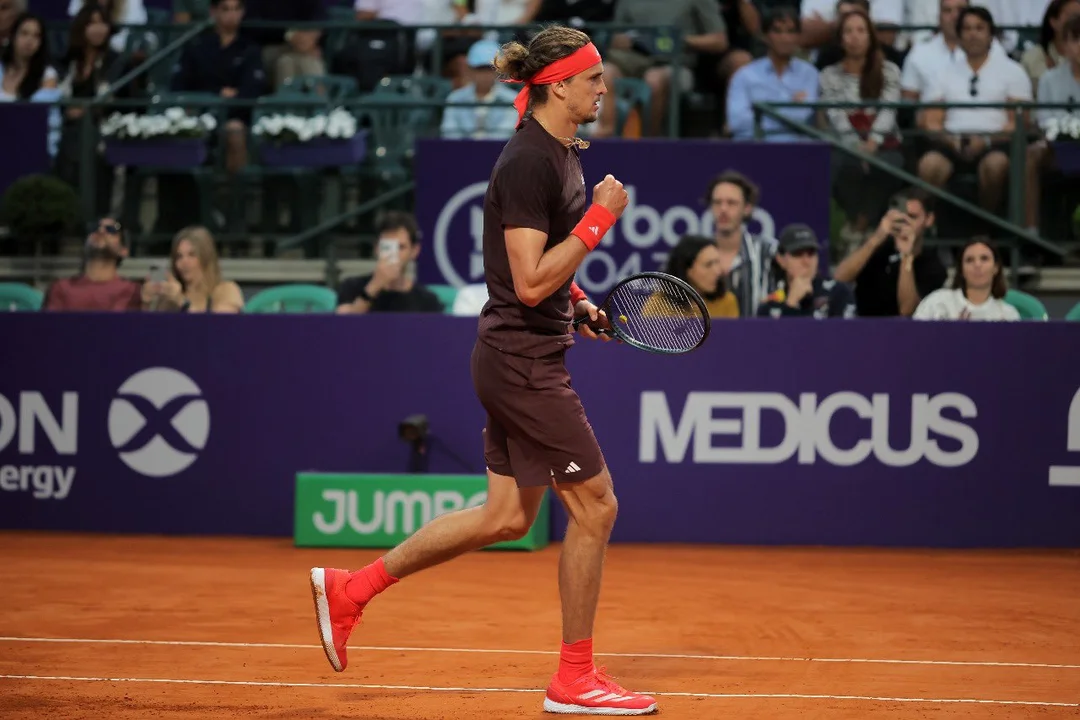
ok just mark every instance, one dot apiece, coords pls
pixel 572 468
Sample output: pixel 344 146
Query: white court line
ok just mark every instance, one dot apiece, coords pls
pixel 715 696
pixel 666 656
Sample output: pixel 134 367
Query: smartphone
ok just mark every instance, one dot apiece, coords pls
pixel 389 249
pixel 157 274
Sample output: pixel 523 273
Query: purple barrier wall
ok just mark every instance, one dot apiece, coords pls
pixel 850 433
pixel 29 122
pixel 666 182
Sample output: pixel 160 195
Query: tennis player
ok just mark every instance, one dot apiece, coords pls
pixel 537 231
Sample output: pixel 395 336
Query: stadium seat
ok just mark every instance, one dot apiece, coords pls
pixel 1074 314
pixel 634 99
pixel 295 298
pixel 16 297
pixel 446 294
pixel 1029 306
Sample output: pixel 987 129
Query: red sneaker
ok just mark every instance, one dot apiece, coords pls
pixel 595 694
pixel 335 613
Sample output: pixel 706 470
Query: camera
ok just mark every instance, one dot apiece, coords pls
pixel 413 429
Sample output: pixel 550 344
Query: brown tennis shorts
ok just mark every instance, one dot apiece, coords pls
pixel 536 426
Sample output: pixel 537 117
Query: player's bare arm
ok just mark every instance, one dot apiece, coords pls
pixel 538 274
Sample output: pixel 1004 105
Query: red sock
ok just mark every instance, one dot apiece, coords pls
pixel 575 660
pixel 368 582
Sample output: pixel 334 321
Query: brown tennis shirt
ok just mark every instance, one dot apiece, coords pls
pixel 536 183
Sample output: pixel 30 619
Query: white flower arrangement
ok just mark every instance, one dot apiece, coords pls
pixel 175 122
pixel 339 124
pixel 1063 128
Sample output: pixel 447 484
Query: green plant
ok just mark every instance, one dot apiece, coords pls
pixel 39 206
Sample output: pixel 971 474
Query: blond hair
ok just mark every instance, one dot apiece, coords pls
pixel 205 249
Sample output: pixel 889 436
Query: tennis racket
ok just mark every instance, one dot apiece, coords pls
pixel 656 312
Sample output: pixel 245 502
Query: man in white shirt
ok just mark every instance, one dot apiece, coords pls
pixel 977 138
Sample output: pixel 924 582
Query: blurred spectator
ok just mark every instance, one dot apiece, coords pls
pixel 862 74
pixel 288 53
pixel 832 51
pixel 185 11
pixel 119 12
pixel 819 20
pixel 777 77
pixel 98 286
pixel 891 271
pixel 800 290
pixel 697 261
pixel 25 67
pixel 404 12
pixel 9 10
pixel 477 121
pixel 974 139
pixel 194 283
pixel 502 12
pixel 978 289
pixel 744 258
pixel 1015 13
pixel 920 13
pixel 224 62
pixel 637 54
pixel 1058 85
pixel 1049 53
pixel 392 287
pixel 576 13
pixel 90 66
pixel 927 61
pixel 373 53
pixel 743 21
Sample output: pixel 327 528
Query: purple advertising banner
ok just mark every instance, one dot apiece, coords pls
pixel 29 122
pixel 853 432
pixel 666 182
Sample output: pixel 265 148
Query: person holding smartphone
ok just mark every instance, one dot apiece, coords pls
pixel 891 271
pixel 392 286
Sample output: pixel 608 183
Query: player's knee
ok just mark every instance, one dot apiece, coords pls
pixel 598 511
pixel 508 526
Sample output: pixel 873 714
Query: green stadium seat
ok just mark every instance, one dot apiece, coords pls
pixel 295 298
pixel 1074 314
pixel 19 297
pixel 446 294
pixel 1029 306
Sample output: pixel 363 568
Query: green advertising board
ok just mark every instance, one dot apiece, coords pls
pixel 381 510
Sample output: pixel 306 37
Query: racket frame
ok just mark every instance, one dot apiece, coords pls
pixel 614 330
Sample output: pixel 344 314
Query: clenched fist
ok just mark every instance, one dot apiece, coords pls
pixel 609 193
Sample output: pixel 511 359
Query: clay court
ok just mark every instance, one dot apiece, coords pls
pixel 182 629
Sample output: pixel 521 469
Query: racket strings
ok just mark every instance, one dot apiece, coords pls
pixel 659 314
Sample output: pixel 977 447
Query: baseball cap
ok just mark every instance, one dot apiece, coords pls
pixel 482 54
pixel 797 237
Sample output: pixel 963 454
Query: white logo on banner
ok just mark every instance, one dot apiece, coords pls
pixel 1069 475
pixel 59 426
pixel 159 422
pixel 649 233
pixel 807 429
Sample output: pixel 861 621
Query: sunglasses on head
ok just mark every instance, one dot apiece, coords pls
pixel 112 228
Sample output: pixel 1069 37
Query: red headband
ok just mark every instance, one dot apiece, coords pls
pixel 581 60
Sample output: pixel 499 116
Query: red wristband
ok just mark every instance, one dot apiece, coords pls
pixel 597 221
pixel 576 294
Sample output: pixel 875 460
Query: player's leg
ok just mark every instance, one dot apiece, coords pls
pixel 341 596
pixel 591 508
pixel 557 431
pixel 507 514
